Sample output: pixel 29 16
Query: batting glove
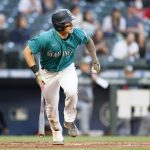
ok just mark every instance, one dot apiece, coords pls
pixel 39 80
pixel 96 67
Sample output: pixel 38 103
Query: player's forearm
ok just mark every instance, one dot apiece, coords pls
pixel 95 62
pixel 32 64
pixel 29 57
pixel 92 50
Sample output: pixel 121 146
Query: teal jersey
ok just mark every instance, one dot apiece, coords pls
pixel 55 53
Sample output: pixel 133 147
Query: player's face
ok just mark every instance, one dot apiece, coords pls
pixel 68 27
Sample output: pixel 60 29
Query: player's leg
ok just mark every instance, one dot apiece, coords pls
pixel 69 82
pixel 51 95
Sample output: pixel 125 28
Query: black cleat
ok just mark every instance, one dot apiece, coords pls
pixel 72 129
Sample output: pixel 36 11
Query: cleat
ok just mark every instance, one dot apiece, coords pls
pixel 58 138
pixel 72 129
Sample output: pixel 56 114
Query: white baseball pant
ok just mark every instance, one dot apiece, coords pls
pixel 67 79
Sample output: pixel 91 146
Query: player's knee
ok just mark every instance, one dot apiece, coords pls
pixel 71 95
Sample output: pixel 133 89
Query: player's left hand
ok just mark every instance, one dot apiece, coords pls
pixel 96 66
pixel 39 80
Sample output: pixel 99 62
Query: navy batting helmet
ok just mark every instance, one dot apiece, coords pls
pixel 60 17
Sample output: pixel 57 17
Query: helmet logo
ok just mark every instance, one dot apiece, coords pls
pixel 68 13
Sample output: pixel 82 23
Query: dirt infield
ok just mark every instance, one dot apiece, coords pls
pixel 75 145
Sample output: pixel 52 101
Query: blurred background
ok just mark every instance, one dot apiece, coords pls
pixel 116 102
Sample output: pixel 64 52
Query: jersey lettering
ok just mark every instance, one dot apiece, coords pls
pixel 59 53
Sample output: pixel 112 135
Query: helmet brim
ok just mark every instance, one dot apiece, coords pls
pixel 69 19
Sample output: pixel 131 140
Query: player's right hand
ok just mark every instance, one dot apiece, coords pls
pixel 39 80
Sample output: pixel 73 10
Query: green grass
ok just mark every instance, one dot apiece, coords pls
pixel 80 138
pixel 84 139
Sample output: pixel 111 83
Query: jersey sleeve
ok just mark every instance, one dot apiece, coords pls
pixel 83 37
pixel 35 44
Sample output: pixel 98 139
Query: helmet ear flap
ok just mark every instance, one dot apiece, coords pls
pixel 58 26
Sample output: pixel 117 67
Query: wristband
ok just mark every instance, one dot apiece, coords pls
pixel 34 69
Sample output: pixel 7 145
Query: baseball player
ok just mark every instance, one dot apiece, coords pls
pixel 57 50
